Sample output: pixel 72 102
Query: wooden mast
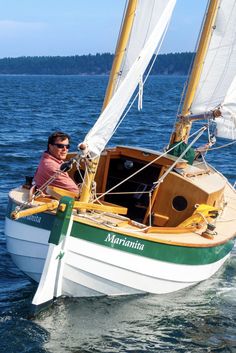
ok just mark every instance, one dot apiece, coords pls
pixel 183 127
pixel 119 55
pixel 120 50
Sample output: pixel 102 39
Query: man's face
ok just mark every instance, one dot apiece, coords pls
pixel 59 149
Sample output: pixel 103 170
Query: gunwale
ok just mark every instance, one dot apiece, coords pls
pixel 109 222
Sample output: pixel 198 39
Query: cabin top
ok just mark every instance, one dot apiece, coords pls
pixel 144 154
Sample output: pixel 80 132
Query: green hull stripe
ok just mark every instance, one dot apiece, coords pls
pixel 163 252
pixel 40 220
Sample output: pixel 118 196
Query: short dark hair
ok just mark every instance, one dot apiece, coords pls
pixel 57 134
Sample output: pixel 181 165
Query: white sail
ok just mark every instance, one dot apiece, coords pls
pixel 151 21
pixel 217 86
pixel 148 14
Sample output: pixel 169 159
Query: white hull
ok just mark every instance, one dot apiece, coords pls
pixel 94 270
pixel 101 271
pixel 28 247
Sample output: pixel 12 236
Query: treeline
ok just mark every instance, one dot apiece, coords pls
pixel 99 64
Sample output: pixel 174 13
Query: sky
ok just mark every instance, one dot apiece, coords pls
pixel 77 27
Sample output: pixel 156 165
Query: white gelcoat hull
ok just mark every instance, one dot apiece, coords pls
pixel 28 247
pixel 101 270
pixel 95 270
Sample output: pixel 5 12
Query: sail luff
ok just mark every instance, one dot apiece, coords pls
pixel 150 22
pixel 183 127
pixel 216 87
pixel 105 126
pixel 200 55
pixel 120 50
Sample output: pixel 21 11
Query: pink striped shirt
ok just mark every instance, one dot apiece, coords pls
pixel 48 166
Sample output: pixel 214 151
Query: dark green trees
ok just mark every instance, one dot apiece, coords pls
pixel 166 64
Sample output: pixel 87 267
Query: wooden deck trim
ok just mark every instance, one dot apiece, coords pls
pixel 173 239
pixel 157 237
pixel 107 163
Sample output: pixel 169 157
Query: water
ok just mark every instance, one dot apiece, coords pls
pixel 199 319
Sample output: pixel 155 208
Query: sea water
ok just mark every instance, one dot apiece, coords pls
pixel 199 319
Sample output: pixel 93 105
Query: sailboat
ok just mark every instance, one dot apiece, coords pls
pixel 145 221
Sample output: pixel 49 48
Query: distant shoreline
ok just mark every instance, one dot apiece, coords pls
pixel 98 64
pixel 88 74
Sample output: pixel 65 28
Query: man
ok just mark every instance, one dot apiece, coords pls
pixel 51 161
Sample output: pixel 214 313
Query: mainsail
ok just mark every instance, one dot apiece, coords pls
pixel 217 85
pixel 149 26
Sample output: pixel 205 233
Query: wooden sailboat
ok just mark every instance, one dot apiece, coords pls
pixel 145 221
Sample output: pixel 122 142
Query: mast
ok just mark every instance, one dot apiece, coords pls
pixel 183 127
pixel 120 50
pixel 119 55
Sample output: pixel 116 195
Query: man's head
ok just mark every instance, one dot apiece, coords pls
pixel 58 145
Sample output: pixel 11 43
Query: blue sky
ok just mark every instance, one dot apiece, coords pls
pixel 76 27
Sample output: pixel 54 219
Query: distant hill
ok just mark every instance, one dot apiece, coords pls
pixel 99 64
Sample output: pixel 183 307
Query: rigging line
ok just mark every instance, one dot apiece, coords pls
pixel 151 162
pixel 38 192
pixel 150 208
pixel 97 218
pixel 80 174
pixel 78 161
pixel 208 132
pixel 204 161
pixel 130 230
pixel 126 193
pixel 146 77
pixel 86 171
pixel 190 69
pixel 223 146
pixel 178 159
pixel 48 182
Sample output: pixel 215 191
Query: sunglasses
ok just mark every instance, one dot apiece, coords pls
pixel 61 145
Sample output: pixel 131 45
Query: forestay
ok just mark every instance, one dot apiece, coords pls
pixel 149 26
pixel 217 86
